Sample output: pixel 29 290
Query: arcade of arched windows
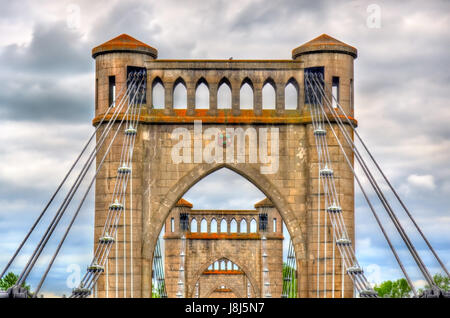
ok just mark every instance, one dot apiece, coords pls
pixel 223 264
pixel 224 94
pixel 229 225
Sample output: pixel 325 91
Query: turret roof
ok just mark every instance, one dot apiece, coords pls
pixel 124 43
pixel 264 203
pixel 184 203
pixel 324 43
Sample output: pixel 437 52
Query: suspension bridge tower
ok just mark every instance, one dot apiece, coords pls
pixel 157 183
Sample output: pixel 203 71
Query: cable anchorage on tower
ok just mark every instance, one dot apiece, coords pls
pixel 124 169
pixel 96 268
pixel 106 239
pixel 130 131
pixel 334 208
pixel 320 131
pixel 326 172
pixel 81 291
pixel 116 205
pixel 355 269
pixel 343 241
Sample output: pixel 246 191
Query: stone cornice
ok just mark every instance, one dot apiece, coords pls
pixel 222 116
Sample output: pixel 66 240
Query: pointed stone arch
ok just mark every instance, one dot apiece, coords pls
pixel 269 89
pixel 224 104
pixel 213 226
pixel 243 226
pixel 247 94
pixel 202 89
pixel 249 172
pixel 200 81
pixel 292 81
pixel 180 104
pixel 156 94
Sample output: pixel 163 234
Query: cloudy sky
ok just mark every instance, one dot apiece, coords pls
pixel 401 98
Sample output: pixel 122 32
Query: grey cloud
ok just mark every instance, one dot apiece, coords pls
pixel 140 20
pixel 13 10
pixel 44 100
pixel 263 14
pixel 54 50
pixel 37 78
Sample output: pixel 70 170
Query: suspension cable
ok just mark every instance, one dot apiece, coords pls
pixel 381 196
pixel 131 233
pixel 89 273
pixel 121 195
pixel 81 204
pixel 392 188
pixel 117 184
pixel 56 191
pixel 64 205
pixel 359 280
pixel 371 206
pixel 350 250
pixel 101 251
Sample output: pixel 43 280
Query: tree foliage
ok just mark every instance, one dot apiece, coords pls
pixel 443 282
pixel 290 286
pixel 10 280
pixel 158 289
pixel 401 289
pixel 394 289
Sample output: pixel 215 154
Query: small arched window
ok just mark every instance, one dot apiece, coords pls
pixel 213 226
pixel 158 94
pixel 246 95
pixel 202 95
pixel 224 94
pixel 291 95
pixel 243 226
pixel 229 265
pixel 268 95
pixel 204 226
pixel 223 265
pixel 233 226
pixel 223 226
pixel 253 226
pixel 179 94
pixel 194 226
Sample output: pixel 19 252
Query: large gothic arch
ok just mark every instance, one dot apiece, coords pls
pixel 249 172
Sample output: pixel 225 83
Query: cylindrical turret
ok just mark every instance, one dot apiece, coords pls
pixel 337 59
pixel 113 60
pixel 334 60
